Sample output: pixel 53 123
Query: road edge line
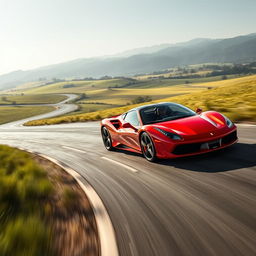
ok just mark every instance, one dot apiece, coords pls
pixel 108 245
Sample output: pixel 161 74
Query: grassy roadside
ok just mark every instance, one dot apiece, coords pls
pixel 14 113
pixel 43 211
pixel 24 187
pixel 234 98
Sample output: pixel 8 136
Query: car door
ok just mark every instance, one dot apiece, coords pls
pixel 130 135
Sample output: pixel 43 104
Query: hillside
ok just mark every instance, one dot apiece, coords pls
pixel 234 98
pixel 236 50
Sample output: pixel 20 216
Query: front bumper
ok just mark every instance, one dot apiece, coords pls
pixel 195 147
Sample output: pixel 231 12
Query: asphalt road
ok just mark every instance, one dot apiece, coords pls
pixel 203 205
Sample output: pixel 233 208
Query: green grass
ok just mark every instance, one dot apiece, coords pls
pixel 233 97
pixel 93 86
pixel 76 86
pixel 145 83
pixel 14 113
pixel 31 99
pixel 117 92
pixel 24 186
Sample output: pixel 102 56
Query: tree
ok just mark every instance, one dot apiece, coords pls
pixel 83 96
pixel 141 99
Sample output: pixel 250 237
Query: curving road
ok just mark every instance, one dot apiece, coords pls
pixel 203 205
pixel 61 108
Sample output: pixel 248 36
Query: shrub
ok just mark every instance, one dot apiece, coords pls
pixel 141 99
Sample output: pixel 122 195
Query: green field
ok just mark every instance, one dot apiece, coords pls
pixel 13 113
pixel 233 97
pixel 122 91
pixel 103 97
pixel 92 107
pixel 31 99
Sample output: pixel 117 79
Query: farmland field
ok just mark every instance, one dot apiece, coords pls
pixel 31 99
pixel 13 113
pixel 122 91
pixel 233 97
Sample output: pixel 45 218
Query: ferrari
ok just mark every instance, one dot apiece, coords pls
pixel 168 130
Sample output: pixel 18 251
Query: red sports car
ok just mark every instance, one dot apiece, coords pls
pixel 168 130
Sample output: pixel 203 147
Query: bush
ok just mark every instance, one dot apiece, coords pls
pixel 141 99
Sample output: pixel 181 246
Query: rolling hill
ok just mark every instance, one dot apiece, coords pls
pixel 236 50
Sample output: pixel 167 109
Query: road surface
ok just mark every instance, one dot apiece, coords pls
pixel 203 205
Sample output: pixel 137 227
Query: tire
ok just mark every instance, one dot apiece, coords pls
pixel 147 147
pixel 107 141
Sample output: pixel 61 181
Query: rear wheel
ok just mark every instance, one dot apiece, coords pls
pixel 147 147
pixel 106 138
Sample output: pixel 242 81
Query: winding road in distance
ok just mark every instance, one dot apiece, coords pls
pixel 61 109
pixel 202 205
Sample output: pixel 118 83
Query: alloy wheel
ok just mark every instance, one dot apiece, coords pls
pixel 147 147
pixel 106 138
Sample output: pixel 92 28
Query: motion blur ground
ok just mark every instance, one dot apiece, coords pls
pixel 201 205
pixel 43 210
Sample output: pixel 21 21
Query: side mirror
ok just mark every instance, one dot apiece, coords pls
pixel 199 111
pixel 128 125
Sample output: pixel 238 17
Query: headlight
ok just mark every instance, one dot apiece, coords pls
pixel 170 135
pixel 228 122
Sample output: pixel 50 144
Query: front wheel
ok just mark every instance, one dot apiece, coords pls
pixel 106 138
pixel 147 147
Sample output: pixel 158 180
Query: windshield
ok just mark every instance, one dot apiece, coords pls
pixel 164 112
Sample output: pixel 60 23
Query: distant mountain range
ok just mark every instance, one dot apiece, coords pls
pixel 239 49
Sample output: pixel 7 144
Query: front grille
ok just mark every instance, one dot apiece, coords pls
pixel 187 148
pixel 229 138
pixel 196 147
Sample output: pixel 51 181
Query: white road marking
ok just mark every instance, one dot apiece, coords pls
pixel 121 164
pixel 74 149
pixel 105 228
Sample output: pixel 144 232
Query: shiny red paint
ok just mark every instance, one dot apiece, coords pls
pixel 197 132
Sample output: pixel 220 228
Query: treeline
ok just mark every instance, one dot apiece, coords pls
pixel 217 70
pixel 242 69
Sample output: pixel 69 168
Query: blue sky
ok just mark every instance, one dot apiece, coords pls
pixel 41 32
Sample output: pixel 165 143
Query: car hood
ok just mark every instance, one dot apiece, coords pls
pixel 209 121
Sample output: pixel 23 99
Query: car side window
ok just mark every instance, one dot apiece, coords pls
pixel 132 118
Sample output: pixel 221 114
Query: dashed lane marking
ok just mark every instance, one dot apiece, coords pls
pixel 121 164
pixel 74 149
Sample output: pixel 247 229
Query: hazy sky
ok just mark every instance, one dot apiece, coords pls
pixel 41 32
